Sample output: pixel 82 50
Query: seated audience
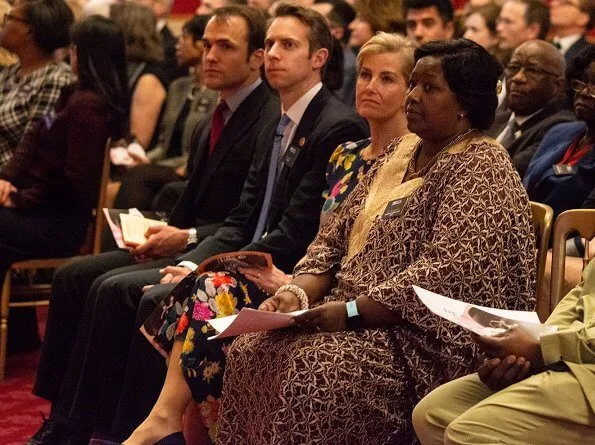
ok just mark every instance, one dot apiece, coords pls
pixel 571 22
pixel 480 26
pixel 534 88
pixel 46 202
pixel 189 103
pixel 384 65
pixel 406 223
pixel 29 89
pixel 562 172
pixel 234 39
pixel 147 82
pixel 528 391
pixel 428 20
pixel 281 224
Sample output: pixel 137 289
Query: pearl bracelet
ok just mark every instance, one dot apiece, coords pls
pixel 297 291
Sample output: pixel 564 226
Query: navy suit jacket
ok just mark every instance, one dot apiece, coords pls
pixel 297 199
pixel 560 192
pixel 217 180
pixel 532 132
pixel 576 49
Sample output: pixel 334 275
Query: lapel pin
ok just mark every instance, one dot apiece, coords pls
pixel 302 141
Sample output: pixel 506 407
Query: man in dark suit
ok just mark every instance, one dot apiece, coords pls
pixel 221 164
pixel 571 21
pixel 534 84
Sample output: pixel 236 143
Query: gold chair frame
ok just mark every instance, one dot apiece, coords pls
pixel 570 222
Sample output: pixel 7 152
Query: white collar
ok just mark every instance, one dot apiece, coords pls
pixel 297 110
pixel 566 42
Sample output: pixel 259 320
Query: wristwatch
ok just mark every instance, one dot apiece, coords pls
pixel 192 237
pixel 354 319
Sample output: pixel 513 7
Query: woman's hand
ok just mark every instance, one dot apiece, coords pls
pixel 269 280
pixel 514 341
pixel 283 302
pixel 328 317
pixel 498 374
pixel 5 189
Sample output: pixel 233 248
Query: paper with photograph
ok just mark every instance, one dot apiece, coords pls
pixel 480 319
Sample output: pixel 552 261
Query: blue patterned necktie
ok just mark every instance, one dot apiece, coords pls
pixel 264 210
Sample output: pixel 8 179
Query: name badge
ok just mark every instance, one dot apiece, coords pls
pixel 394 208
pixel 49 119
pixel 290 156
pixel 564 169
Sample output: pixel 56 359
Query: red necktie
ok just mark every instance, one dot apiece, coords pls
pixel 217 124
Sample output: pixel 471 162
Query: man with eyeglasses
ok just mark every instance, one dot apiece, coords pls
pixel 534 86
pixel 571 21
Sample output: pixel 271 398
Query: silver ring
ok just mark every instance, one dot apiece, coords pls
pixel 258 275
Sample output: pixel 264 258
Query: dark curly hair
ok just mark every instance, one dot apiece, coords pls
pixel 471 73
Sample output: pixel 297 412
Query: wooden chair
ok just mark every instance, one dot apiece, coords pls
pixel 543 216
pixel 570 222
pixel 92 245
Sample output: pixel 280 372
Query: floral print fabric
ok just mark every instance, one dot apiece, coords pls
pixel 346 168
pixel 210 295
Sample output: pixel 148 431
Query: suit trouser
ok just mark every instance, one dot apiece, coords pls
pixel 87 347
pixel 547 408
pixel 145 371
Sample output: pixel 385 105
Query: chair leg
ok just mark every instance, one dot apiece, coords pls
pixel 4 302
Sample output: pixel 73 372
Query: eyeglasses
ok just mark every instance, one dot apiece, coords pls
pixel 579 87
pixel 531 72
pixel 8 16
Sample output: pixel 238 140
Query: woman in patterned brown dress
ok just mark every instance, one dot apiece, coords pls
pixel 442 209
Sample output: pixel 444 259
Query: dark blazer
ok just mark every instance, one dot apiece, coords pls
pixel 217 180
pixel 560 192
pixel 297 199
pixel 532 132
pixel 576 49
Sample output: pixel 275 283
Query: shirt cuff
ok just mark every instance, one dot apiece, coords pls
pixel 550 348
pixel 188 264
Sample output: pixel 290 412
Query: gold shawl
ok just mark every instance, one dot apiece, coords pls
pixel 388 185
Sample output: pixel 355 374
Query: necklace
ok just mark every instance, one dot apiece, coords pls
pixel 411 173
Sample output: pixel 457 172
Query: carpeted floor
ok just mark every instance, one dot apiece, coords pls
pixel 20 411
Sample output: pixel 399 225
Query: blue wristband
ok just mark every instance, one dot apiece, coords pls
pixel 352 309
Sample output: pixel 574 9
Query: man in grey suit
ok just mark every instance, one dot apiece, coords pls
pixel 535 84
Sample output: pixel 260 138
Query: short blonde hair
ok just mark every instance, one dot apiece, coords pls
pixel 384 42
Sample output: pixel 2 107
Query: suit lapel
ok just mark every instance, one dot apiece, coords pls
pixel 301 142
pixel 305 127
pixel 239 123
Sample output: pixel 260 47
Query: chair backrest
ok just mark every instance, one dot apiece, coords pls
pixel 579 222
pixel 93 242
pixel 543 216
